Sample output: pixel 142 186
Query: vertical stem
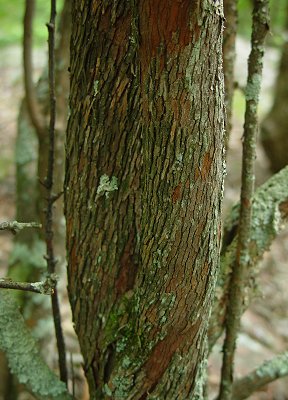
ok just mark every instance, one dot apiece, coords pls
pixel 240 270
pixel 32 104
pixel 51 261
pixel 229 39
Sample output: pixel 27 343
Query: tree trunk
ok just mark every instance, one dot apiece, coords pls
pixel 143 189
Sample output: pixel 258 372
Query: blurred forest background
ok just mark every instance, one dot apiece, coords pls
pixel 265 325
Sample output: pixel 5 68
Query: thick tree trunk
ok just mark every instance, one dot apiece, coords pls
pixel 144 174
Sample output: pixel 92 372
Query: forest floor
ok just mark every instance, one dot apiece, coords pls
pixel 264 330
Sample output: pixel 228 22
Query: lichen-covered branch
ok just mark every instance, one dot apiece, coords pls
pixel 269 216
pixel 268 372
pixel 239 275
pixel 23 355
pixel 16 227
pixel 42 287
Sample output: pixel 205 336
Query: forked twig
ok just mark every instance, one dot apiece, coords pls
pixel 43 287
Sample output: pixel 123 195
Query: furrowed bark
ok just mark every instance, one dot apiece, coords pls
pixel 143 192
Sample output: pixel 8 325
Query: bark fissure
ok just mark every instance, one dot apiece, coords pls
pixel 145 269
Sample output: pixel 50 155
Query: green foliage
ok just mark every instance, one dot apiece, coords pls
pixel 11 17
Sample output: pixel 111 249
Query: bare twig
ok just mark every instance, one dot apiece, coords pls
pixel 51 261
pixel 239 272
pixel 268 372
pixel 32 103
pixel 42 287
pixel 16 227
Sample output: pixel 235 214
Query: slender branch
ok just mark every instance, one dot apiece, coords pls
pixel 268 372
pixel 229 39
pixel 16 227
pixel 269 217
pixel 239 273
pixel 51 261
pixel 31 99
pixel 43 287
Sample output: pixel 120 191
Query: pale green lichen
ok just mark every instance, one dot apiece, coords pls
pixel 96 87
pixel 107 390
pixel 278 366
pixel 126 362
pixel 168 299
pixel 277 220
pixel 201 379
pixel 267 222
pixel 23 356
pixel 123 385
pixel 214 6
pixel 253 88
pixel 106 185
